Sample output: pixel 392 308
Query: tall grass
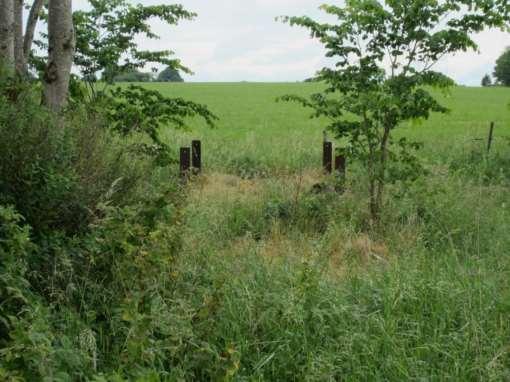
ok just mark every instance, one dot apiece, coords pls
pixel 295 286
pixel 252 273
pixel 290 284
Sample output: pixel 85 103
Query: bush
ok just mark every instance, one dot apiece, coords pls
pixel 170 75
pixel 56 171
pixel 15 246
pixel 102 299
pixel 89 236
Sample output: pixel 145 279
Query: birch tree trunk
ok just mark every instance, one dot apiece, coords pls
pixel 7 32
pixel 18 37
pixel 33 18
pixel 60 54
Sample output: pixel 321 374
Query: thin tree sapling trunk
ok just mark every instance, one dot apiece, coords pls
pixel 381 174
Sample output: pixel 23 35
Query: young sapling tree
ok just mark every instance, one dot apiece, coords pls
pixel 384 52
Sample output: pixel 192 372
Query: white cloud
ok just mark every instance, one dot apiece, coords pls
pixel 469 67
pixel 233 40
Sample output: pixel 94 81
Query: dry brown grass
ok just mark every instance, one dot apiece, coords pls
pixel 227 186
pixel 336 253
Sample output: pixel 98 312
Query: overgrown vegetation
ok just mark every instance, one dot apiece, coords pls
pixel 258 276
pixel 81 209
pixel 112 269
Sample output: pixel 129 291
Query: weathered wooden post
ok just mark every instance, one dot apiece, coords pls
pixel 185 159
pixel 340 170
pixel 340 164
pixel 491 137
pixel 327 157
pixel 196 156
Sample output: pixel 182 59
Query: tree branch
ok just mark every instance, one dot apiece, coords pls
pixel 33 18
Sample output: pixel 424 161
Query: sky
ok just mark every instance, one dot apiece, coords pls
pixel 240 40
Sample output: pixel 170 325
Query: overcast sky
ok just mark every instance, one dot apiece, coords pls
pixel 239 40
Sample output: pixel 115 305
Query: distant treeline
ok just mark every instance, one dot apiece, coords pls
pixel 167 75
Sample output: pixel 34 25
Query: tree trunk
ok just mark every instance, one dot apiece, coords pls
pixel 372 178
pixel 381 174
pixel 33 17
pixel 374 209
pixel 18 36
pixel 7 32
pixel 60 54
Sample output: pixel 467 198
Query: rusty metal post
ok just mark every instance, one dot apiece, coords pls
pixel 327 157
pixel 196 156
pixel 340 164
pixel 185 159
pixel 491 137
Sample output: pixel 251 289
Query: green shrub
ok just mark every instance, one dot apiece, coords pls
pixel 30 348
pixel 56 171
pixel 88 248
pixel 15 247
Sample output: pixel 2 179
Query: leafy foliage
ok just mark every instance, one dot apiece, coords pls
pixel 170 75
pixel 137 110
pixel 14 248
pixel 106 36
pixel 502 70
pixel 106 274
pixel 384 52
pixel 55 176
pixel 133 76
pixel 79 214
pixel 486 81
pixel 106 44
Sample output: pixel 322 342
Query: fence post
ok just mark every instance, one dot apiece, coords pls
pixel 185 161
pixel 327 157
pixel 340 164
pixel 491 137
pixel 340 170
pixel 196 156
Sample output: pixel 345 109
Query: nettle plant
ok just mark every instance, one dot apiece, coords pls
pixel 384 54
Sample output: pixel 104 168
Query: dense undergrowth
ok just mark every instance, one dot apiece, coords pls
pixel 89 236
pixel 299 287
pixel 108 272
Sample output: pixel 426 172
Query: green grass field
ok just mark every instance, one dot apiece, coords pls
pixel 281 135
pixel 296 286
